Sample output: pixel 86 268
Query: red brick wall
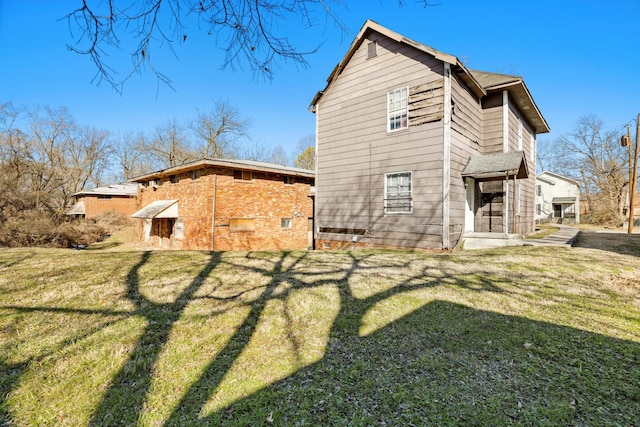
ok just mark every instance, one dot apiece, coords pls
pixel 122 204
pixel 266 199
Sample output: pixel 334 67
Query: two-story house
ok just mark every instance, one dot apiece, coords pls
pixel 226 204
pixel 557 198
pixel 415 150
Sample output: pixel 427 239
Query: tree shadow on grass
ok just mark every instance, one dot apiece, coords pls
pixel 448 364
pixel 130 386
pixel 9 377
pixel 344 329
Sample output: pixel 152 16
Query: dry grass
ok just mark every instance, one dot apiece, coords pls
pixel 507 336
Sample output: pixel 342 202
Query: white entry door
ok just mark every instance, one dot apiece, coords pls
pixel 469 217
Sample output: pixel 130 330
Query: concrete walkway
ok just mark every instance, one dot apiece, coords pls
pixel 563 237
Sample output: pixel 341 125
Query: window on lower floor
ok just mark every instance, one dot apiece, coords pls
pixel 285 222
pixel 538 209
pixel 398 193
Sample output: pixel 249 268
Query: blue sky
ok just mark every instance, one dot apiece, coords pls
pixel 577 57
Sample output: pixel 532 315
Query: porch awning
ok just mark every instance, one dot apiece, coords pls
pixel 497 166
pixel 158 209
pixel 76 209
pixel 563 200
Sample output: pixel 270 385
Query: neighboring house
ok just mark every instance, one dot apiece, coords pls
pixel 557 199
pixel 226 205
pixel 415 150
pixel 120 198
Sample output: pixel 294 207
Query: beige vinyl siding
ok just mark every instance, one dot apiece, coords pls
pixel 514 123
pixel 355 150
pixel 466 140
pixel 492 124
pixel 526 223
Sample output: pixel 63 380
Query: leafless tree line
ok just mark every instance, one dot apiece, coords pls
pixel 46 156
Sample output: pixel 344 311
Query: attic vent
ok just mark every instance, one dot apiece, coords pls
pixel 372 49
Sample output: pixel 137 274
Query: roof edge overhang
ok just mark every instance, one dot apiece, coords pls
pixel 370 26
pixel 542 175
pixel 526 104
pixel 488 167
pixel 158 209
pixel 227 164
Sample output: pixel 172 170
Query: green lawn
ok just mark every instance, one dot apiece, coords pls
pixel 513 336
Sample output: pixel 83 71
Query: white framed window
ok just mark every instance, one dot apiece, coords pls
pixel 398 193
pixel 398 109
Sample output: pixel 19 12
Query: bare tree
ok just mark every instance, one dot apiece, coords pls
pixel 50 158
pixel 594 157
pixel 262 152
pixel 248 31
pixel 218 130
pixel 130 157
pixel 169 145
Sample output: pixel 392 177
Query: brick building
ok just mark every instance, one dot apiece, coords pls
pixel 120 198
pixel 224 204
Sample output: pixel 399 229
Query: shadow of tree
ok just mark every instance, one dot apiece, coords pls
pixel 459 366
pixel 9 376
pixel 130 386
pixel 484 368
pixel 345 327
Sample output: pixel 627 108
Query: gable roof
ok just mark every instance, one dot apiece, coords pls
pixel 479 82
pixel 372 26
pixel 229 164
pixel 546 175
pixel 518 91
pixel 492 166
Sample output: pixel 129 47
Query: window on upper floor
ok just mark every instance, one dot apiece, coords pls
pixel 397 193
pixel 242 175
pixel 398 109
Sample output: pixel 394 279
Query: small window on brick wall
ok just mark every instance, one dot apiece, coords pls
pixel 242 175
pixel 289 180
pixel 103 197
pixel 173 179
pixel 242 224
pixel 285 222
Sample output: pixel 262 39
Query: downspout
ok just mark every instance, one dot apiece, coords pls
pixel 505 205
pixel 213 211
pixel 446 158
pixel 515 199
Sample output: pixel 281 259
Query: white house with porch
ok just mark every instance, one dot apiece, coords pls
pixel 557 199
